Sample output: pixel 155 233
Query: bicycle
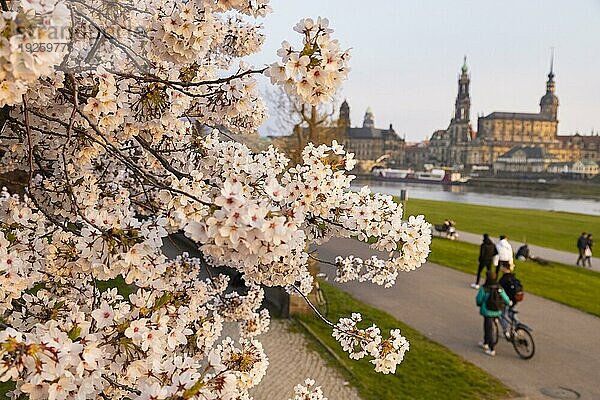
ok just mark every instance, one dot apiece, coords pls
pixel 322 303
pixel 519 335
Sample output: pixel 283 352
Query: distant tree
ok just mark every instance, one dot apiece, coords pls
pixel 299 123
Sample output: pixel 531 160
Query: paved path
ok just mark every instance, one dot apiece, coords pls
pixel 291 361
pixel 438 302
pixel 563 257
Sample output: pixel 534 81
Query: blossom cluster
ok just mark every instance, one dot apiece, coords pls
pixel 30 26
pixel 386 353
pixel 308 391
pixel 313 72
pixel 413 239
pixel 116 144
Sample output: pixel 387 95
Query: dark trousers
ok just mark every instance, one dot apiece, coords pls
pixel 487 264
pixel 488 327
pixel 581 256
pixel 502 264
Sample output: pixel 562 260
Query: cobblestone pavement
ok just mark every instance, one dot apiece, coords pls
pixel 291 361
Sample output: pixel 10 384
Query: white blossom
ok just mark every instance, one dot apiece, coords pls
pixel 112 133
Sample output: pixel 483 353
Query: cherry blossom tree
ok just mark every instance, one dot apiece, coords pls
pixel 100 104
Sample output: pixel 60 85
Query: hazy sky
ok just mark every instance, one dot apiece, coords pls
pixel 407 55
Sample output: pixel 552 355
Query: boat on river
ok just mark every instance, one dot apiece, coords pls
pixel 442 176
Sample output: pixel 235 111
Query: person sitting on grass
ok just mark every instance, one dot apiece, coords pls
pixel 523 254
pixel 483 295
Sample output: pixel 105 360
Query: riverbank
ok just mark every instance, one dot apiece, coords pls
pixel 511 198
pixel 555 230
pixel 583 188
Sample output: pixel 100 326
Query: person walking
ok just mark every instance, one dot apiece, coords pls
pixel 581 245
pixel 487 251
pixel 588 251
pixel 505 253
pixel 485 292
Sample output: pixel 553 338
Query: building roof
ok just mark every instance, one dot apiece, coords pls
pixel 371 133
pixel 512 115
pixel 530 152
pixel 577 138
pixel 588 163
pixel 440 134
pixel 549 98
pixel 560 164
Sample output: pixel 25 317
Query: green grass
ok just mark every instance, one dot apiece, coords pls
pixel 5 387
pixel 429 370
pixel 574 287
pixel 557 230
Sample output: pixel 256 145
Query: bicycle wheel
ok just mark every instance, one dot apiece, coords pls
pixel 322 303
pixel 523 343
pixel 495 330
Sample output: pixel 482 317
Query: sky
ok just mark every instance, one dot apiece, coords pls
pixel 406 57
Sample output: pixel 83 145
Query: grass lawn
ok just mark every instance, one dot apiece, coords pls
pixel 556 230
pixel 572 286
pixel 429 370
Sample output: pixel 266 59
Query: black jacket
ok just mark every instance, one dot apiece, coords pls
pixel 508 283
pixel 581 242
pixel 487 251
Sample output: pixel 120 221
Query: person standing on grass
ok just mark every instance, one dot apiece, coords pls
pixel 487 251
pixel 581 245
pixel 505 253
pixel 588 251
pixel 488 315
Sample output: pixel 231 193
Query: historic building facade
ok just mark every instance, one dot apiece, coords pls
pixel 459 146
pixel 369 143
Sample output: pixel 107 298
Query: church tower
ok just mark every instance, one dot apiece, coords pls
pixel 369 121
pixel 549 102
pixel 344 119
pixel 462 106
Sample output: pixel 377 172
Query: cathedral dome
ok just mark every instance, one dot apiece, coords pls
pixel 549 99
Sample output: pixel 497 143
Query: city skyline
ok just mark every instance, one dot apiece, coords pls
pixel 406 58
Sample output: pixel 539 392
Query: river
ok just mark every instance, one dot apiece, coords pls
pixel 471 195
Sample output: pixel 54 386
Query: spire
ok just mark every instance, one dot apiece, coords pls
pixel 369 121
pixel 551 74
pixel 550 83
pixel 344 119
pixel 549 102
pixel 463 101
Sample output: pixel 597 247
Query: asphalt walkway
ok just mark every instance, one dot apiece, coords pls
pixel 546 253
pixel 438 302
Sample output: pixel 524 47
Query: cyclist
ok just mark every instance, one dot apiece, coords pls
pixel 488 315
pixel 511 286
